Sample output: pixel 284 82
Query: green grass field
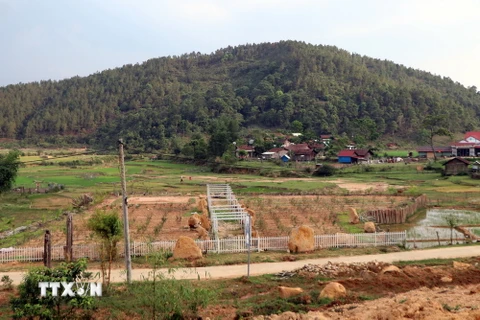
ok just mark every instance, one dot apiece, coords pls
pixel 163 177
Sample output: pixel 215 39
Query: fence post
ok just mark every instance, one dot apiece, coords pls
pixel 47 250
pixel 375 235
pixel 68 247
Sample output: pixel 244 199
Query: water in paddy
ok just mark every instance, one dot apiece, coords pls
pixel 435 219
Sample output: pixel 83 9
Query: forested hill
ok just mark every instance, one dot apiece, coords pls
pixel 266 85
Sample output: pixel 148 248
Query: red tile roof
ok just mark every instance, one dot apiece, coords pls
pixel 362 152
pixel 347 153
pixel 358 153
pixel 475 134
pixel 276 150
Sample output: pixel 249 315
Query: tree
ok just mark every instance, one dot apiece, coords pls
pixel 108 227
pixel 452 220
pixel 9 164
pixel 297 126
pixel 435 125
pixel 224 132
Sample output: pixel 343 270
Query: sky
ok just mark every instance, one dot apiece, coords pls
pixel 58 39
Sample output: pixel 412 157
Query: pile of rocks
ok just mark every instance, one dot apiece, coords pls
pixel 333 270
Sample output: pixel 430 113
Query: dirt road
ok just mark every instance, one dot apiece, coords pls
pixel 233 271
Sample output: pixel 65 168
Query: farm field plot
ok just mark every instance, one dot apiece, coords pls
pixel 150 219
pixel 277 215
pixel 166 217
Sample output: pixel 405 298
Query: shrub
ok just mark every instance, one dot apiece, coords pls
pixel 30 305
pixel 7 283
pixel 325 170
pixel 108 228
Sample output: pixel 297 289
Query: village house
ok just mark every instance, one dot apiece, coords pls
pixel 250 151
pixel 427 152
pixel 301 152
pixel 456 166
pixel 469 146
pixel 354 156
pixel 326 139
pixel 274 153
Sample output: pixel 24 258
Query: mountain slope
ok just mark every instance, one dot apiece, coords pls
pixel 269 85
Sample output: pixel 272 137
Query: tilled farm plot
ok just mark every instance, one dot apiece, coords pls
pixel 166 218
pixel 277 215
pixel 150 219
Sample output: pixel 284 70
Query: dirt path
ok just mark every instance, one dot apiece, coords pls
pixel 218 272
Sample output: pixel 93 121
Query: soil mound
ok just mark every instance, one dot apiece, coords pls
pixel 287 292
pixel 438 303
pixel 333 291
pixel 311 315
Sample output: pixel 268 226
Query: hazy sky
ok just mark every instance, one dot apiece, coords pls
pixel 57 39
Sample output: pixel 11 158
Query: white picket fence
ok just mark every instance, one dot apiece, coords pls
pixel 230 245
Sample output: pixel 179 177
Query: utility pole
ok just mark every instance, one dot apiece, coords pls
pixel 128 261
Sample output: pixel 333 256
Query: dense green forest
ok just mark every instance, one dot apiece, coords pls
pixel 266 86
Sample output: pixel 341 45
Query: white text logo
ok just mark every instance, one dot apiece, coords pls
pixel 70 289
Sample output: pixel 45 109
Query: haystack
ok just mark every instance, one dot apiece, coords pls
pixel 369 227
pixel 185 248
pixel 252 221
pixel 194 221
pixel 205 222
pixel 202 233
pixel 287 292
pixel 354 219
pixel 301 240
pixel 202 204
pixel 333 291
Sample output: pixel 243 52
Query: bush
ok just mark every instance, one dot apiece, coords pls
pixel 325 170
pixel 7 283
pixel 30 305
pixel 434 166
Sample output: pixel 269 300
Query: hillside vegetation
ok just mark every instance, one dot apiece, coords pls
pixel 286 85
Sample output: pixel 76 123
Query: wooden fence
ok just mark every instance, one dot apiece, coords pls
pixel 398 215
pixel 232 245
